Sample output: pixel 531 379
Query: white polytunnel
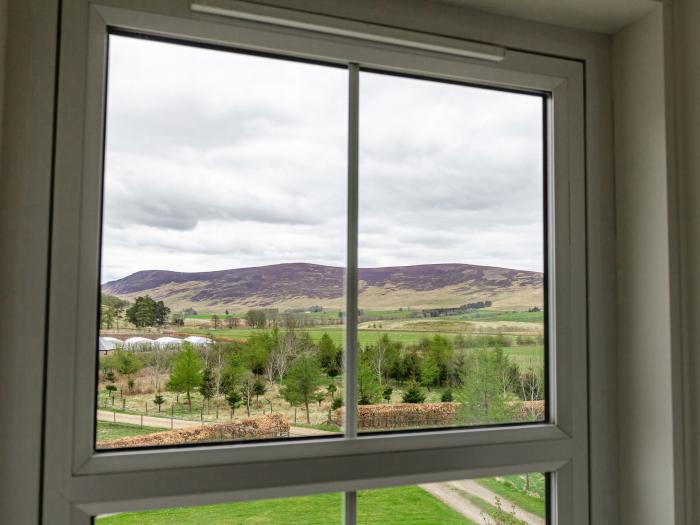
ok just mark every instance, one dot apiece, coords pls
pixel 167 341
pixel 104 344
pixel 197 340
pixel 138 341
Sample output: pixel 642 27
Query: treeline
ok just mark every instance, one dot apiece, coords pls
pixel 481 377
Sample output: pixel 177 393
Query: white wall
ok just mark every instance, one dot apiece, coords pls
pixel 649 412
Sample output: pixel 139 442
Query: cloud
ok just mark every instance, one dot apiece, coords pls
pixel 219 160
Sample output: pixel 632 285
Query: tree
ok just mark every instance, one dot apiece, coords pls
pixel 413 394
pixel 112 308
pixel 303 378
pixel 111 389
pixel 231 321
pixel 215 321
pixel 143 312
pixel 233 373
pixel 256 318
pixel 161 313
pixel 319 397
pixel 482 397
pixel 158 400
pixel 233 398
pixel 207 387
pixel 368 388
pixel 386 394
pixel 329 355
pixel 187 372
pixel 337 403
pixel 380 354
pixel 258 389
pixel 332 389
pixel 248 390
pixel 126 363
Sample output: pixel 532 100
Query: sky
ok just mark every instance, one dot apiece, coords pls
pixel 218 160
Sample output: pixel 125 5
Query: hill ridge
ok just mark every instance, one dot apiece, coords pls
pixel 298 284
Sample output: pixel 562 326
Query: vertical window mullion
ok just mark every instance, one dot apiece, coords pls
pixel 351 357
pixel 351 270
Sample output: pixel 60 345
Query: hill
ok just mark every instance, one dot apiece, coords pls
pixel 301 285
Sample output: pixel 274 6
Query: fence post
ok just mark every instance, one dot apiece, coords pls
pixel 114 415
pixel 141 420
pixel 123 404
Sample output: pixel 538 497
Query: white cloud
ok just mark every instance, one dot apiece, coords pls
pixel 220 160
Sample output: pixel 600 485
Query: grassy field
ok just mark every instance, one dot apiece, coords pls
pixel 107 430
pixel 512 488
pixel 396 506
pixel 522 355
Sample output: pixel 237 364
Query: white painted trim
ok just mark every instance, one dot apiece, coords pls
pixel 361 31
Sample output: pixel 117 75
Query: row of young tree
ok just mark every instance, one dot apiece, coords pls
pixel 483 379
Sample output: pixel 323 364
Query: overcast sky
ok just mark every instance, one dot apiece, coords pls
pixel 218 160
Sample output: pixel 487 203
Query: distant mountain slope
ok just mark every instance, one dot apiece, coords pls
pixel 301 285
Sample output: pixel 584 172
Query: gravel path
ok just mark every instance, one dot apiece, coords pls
pixel 455 500
pixel 474 488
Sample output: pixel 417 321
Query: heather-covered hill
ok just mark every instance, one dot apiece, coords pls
pixel 301 285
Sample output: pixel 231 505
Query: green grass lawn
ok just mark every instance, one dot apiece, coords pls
pixel 512 489
pixel 395 506
pixel 107 430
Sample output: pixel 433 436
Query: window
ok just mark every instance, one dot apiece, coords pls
pixel 221 188
pixel 504 500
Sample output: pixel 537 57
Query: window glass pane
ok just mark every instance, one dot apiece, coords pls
pixel 451 251
pixel 223 246
pixel 509 500
pixel 323 509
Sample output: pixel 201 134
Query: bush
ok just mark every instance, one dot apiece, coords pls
pixel 447 396
pixel 413 394
pixel 337 403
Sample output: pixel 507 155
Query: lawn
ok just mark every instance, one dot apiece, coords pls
pixel 396 506
pixel 512 489
pixel 107 430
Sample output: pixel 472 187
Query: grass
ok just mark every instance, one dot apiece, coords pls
pixel 395 506
pixel 512 489
pixel 107 431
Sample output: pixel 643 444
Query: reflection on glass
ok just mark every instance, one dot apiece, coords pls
pixel 451 250
pixel 223 247
pixel 509 500
pixel 324 509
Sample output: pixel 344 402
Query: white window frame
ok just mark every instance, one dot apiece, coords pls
pixel 80 483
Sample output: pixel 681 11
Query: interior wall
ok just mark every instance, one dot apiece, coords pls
pixel 25 191
pixel 686 42
pixel 650 491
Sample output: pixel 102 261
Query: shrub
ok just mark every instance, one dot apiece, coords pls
pixel 413 394
pixel 447 396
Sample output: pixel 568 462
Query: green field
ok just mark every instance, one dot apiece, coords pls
pixel 512 489
pixel 107 430
pixel 524 356
pixel 396 506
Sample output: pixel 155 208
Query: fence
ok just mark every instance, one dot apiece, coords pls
pixel 260 427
